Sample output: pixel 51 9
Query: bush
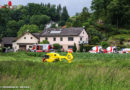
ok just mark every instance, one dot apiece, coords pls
pixel 81 48
pixel 0 49
pixel 57 46
pixel 119 47
pixel 44 42
pixel 95 40
pixel 74 48
pixel 35 54
pixel 105 44
pixel 88 47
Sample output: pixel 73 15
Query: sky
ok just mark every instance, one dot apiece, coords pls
pixel 73 6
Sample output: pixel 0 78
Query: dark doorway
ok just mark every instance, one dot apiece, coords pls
pixel 22 47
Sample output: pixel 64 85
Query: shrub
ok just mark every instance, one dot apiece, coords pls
pixel 44 42
pixel 74 48
pixel 119 47
pixel 35 54
pixel 95 40
pixel 57 46
pixel 0 49
pixel 88 47
pixel 105 44
pixel 81 48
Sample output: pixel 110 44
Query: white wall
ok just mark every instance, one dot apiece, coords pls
pixel 22 40
pixel 65 43
pixel 28 39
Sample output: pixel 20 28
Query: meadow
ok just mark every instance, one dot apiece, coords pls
pixel 86 72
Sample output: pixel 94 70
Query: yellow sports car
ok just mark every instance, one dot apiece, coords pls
pixel 52 57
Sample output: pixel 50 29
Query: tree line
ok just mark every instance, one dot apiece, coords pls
pixel 108 20
pixel 32 16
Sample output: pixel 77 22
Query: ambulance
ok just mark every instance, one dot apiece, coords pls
pixel 125 50
pixel 41 48
pixel 112 49
pixel 97 49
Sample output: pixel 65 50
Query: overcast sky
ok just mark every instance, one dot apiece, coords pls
pixel 73 6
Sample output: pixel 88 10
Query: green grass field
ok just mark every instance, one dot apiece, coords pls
pixel 86 72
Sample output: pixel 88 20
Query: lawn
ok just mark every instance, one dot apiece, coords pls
pixel 86 72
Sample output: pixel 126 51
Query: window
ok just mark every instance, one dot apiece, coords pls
pixel 30 46
pixel 39 47
pixel 80 38
pixel 31 37
pixel 83 32
pixel 61 39
pixel 54 39
pixel 70 38
pixel 46 38
pixel 70 47
pixel 24 37
pixel 61 46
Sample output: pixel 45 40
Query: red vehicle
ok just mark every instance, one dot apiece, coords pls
pixel 41 48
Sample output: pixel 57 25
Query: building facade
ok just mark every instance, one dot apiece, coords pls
pixel 66 37
pixel 25 42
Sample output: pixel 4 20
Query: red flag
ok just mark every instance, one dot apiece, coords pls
pixel 10 3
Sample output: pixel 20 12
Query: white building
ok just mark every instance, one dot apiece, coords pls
pixel 66 37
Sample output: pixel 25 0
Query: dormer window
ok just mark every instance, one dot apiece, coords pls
pixel 24 37
pixel 31 38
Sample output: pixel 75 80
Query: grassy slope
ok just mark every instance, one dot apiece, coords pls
pixel 87 72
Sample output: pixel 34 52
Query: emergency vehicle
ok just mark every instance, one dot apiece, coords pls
pixel 125 50
pixel 98 49
pixel 112 49
pixel 41 48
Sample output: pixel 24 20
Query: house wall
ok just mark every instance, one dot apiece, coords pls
pixel 28 41
pixel 84 36
pixel 65 43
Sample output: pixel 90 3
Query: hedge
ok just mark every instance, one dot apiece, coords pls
pixel 35 54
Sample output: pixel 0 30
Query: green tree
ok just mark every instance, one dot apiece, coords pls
pixel 105 44
pixel 81 47
pixel 64 15
pixel 74 48
pixel 39 19
pixel 84 15
pixel 30 28
pixel 44 42
pixel 95 40
pixel 57 46
pixel 12 28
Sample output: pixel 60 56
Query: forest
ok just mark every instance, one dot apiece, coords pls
pixel 107 22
